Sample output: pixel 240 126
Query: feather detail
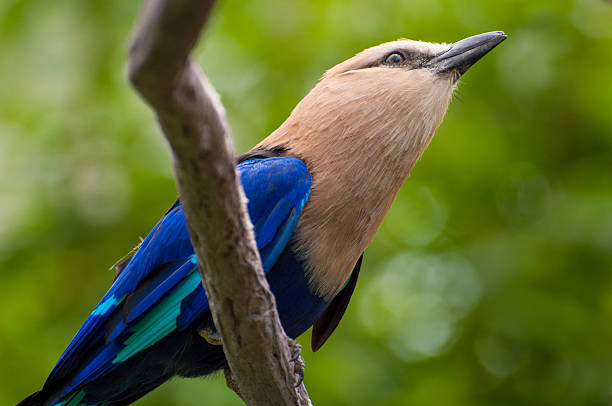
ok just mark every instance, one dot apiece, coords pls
pixel 329 320
pixel 159 294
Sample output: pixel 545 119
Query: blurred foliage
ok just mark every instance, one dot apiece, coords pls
pixel 488 284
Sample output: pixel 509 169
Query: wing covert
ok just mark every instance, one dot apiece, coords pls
pixel 159 288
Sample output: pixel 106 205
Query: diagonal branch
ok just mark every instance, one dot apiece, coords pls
pixel 190 113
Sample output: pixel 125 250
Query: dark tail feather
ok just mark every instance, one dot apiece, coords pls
pixel 142 391
pixel 35 399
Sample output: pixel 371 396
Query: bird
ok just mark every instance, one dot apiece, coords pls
pixel 318 188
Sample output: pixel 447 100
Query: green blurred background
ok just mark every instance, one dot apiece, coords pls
pixel 489 283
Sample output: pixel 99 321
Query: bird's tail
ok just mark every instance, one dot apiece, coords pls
pixel 35 399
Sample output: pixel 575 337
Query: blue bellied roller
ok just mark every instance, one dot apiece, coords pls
pixel 318 189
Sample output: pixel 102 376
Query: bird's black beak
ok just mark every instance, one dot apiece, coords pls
pixel 465 53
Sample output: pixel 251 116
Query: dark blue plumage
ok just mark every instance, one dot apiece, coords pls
pixel 145 329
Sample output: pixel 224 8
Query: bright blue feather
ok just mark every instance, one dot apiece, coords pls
pixel 160 320
pixel 146 299
pixel 270 253
pixel 191 308
pixel 147 296
pixel 265 228
pixel 159 291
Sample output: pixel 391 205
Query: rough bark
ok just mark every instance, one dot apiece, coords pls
pixel 261 357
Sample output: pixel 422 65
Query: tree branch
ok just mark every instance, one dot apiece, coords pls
pixel 259 354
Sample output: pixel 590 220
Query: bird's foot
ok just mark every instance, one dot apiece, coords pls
pixel 211 335
pixel 297 361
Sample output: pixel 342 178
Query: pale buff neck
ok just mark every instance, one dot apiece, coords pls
pixel 360 140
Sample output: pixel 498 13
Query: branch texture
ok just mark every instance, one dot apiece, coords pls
pixel 259 354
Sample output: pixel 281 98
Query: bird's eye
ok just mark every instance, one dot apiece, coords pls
pixel 394 58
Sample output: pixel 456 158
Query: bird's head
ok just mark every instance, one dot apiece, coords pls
pixel 440 61
pixel 396 92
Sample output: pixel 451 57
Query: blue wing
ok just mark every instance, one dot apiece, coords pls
pixel 159 289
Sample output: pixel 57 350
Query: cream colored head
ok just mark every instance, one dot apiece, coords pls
pixel 392 84
pixel 361 130
pixel 387 93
